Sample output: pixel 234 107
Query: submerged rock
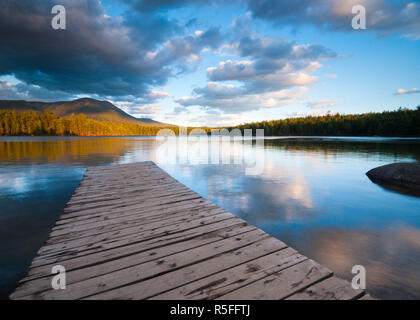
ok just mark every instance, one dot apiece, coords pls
pixel 398 177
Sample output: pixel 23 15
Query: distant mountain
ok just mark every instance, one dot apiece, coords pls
pixel 94 109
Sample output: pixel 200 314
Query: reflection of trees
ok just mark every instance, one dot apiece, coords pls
pixel 400 148
pixel 89 151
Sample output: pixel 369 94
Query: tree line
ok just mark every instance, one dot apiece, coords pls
pixel 13 123
pixel 398 123
pixel 402 122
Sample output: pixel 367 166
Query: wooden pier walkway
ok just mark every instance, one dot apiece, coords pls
pixel 134 232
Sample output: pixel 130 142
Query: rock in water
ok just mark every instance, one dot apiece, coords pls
pixel 405 175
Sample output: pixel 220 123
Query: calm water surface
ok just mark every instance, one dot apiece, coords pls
pixel 312 194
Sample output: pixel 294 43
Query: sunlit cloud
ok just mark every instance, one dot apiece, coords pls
pixel 407 91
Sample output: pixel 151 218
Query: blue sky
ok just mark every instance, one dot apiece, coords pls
pixel 215 62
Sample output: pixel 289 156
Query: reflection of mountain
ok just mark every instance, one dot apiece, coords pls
pixel 402 148
pixel 71 151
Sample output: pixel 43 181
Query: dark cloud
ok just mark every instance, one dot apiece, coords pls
pixel 23 91
pixel 152 5
pixel 94 47
pixel 164 5
pixel 281 10
pixel 385 17
pixel 255 46
pixel 96 54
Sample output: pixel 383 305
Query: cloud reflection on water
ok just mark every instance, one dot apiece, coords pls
pixel 313 195
pixel 391 257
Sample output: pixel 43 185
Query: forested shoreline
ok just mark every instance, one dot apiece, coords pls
pixel 399 123
pixel 30 123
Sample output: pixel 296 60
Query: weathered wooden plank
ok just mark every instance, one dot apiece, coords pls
pixel 282 284
pixel 77 230
pixel 224 282
pixel 87 187
pixel 332 288
pixel 154 286
pixel 367 297
pixel 130 234
pixel 147 230
pixel 146 270
pixel 147 172
pixel 150 214
pixel 135 206
pixel 146 186
pixel 134 232
pixel 85 191
pixel 105 170
pixel 97 269
pixel 158 208
pixel 137 190
pixel 93 258
pixel 126 244
pixel 118 203
pixel 127 167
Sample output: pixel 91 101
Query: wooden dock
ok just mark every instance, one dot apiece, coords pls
pixel 134 232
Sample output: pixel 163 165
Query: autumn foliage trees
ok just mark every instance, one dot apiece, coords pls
pixel 14 123
pixel 399 123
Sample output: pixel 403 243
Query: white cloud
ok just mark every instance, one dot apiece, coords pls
pixel 331 76
pixel 407 91
pixel 146 111
pixel 203 117
pixel 236 100
pixel 23 91
pixel 322 104
pixel 137 110
pixel 314 113
pixel 268 72
pixel 232 70
pixel 158 95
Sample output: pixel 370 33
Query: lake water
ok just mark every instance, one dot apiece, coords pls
pixel 311 193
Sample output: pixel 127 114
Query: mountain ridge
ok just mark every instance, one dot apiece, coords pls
pixel 92 108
